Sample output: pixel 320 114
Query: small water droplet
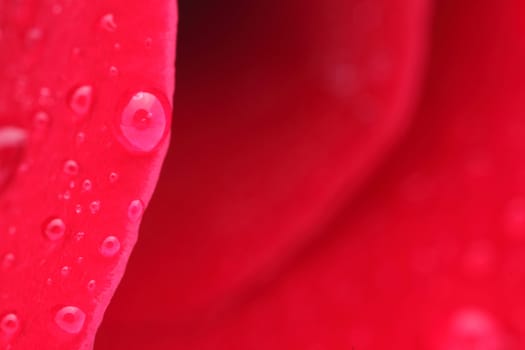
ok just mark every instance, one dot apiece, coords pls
pixel 87 185
pixel 72 184
pixel 80 138
pixel 79 235
pixel 10 324
pixel 117 46
pixel 143 123
pixel 11 230
pixel 71 167
pixel 135 210
pixel 94 207
pixel 91 285
pixel 113 177
pixel 78 209
pixel 70 319
pixel 113 71
pixel 8 260
pixel 49 281
pixel 80 259
pixel 81 99
pixel 54 229
pixel 41 120
pixel 110 246
pixel 12 146
pixel 65 270
pixel 66 195
pixel 107 22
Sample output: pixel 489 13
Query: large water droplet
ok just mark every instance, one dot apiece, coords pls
pixel 9 324
pixel 135 210
pixel 12 145
pixel 110 246
pixel 143 123
pixel 81 99
pixel 70 319
pixel 54 229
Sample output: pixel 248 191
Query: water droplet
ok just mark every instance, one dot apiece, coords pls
pixel 87 185
pixel 81 99
pixel 91 285
pixel 41 120
pixel 71 167
pixel 113 177
pixel 110 246
pixel 65 270
pixel 78 209
pixel 117 46
pixel 10 324
pixel 80 138
pixel 54 229
pixel 94 207
pixel 143 123
pixel 113 71
pixel 70 319
pixel 135 210
pixel 8 260
pixel 80 259
pixel 11 230
pixel 12 146
pixel 79 235
pixel 49 281
pixel 107 22
pixel 66 195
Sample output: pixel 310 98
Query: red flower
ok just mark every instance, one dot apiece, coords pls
pixel 343 175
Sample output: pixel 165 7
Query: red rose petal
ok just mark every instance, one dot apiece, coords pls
pixel 67 72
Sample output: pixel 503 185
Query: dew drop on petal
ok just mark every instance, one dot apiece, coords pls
pixel 87 185
pixel 94 207
pixel 143 123
pixel 65 270
pixel 80 138
pixel 135 210
pixel 113 177
pixel 113 71
pixel 54 229
pixel 78 209
pixel 8 260
pixel 91 285
pixel 70 319
pixel 79 235
pixel 107 22
pixel 81 99
pixel 41 120
pixel 71 167
pixel 110 246
pixel 9 324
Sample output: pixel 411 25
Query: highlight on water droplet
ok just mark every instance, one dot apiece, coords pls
pixel 81 99
pixel 71 167
pixel 110 246
pixel 54 229
pixel 10 324
pixel 12 146
pixel 143 123
pixel 135 210
pixel 70 319
pixel 113 71
pixel 113 177
pixel 107 22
